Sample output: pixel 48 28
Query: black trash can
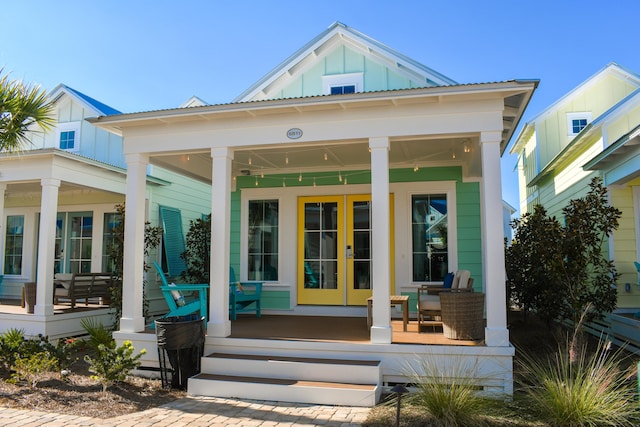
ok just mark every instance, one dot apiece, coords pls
pixel 181 344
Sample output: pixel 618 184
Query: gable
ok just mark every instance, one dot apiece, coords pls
pixel 341 50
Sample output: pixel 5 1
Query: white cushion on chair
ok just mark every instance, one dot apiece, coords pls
pixel 430 302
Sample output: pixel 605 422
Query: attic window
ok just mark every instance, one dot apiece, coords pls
pixel 339 84
pixel 341 90
pixel 576 122
pixel 68 134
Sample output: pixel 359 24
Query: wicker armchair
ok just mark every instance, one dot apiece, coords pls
pixel 429 298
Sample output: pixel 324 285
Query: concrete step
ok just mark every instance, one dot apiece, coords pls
pixel 281 390
pixel 289 379
pixel 285 367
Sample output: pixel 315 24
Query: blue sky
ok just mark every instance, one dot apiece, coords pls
pixel 148 55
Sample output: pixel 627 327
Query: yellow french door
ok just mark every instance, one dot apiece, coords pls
pixel 358 253
pixel 321 250
pixel 334 250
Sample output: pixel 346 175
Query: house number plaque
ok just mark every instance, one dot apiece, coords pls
pixel 294 133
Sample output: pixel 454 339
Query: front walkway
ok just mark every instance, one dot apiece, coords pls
pixel 203 411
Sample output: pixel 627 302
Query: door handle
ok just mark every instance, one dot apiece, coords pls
pixel 349 252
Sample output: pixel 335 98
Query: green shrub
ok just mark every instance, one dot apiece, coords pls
pixel 98 334
pixel 14 347
pixel 10 343
pixel 30 368
pixel 113 364
pixel 592 390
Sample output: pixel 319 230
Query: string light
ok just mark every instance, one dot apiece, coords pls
pixel 314 182
pixel 256 181
pixel 286 159
pixel 326 156
pixel 340 176
pixel 345 180
pixel 467 149
pixel 188 157
pixel 261 173
pixel 284 184
pixel 249 160
pixel 453 154
pixel 416 168
pixel 300 177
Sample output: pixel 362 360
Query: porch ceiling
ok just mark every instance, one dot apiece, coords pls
pixel 453 150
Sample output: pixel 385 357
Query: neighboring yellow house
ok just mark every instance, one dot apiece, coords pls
pixel 594 130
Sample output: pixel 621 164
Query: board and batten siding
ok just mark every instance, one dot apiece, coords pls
pixel 625 252
pixel 343 60
pixel 595 99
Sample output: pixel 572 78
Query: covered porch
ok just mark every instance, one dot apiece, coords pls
pixel 390 150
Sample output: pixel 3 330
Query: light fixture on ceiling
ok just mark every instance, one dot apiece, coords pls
pixel 286 158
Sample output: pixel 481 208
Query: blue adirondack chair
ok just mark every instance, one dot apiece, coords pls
pixel 243 296
pixel 173 295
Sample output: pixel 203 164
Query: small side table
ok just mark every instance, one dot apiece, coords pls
pixel 394 300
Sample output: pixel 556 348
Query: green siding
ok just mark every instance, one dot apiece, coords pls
pixel 467 197
pixel 275 300
pixel 234 229
pixel 343 60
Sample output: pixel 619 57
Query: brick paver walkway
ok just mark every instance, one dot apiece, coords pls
pixel 201 412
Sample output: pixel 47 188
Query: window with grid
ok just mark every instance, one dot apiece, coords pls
pixel 263 232
pixel 67 140
pixel 341 90
pixel 110 235
pixel 14 239
pixel 429 237
pixel 80 241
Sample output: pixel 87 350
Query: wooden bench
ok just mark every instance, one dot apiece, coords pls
pixel 83 286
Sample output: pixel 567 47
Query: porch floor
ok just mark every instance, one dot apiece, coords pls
pixel 344 329
pixel 13 306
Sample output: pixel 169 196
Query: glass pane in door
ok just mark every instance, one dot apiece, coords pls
pixel 321 245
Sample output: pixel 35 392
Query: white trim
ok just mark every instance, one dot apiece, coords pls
pixel 587 115
pixel 287 217
pixel 68 127
pixel 356 79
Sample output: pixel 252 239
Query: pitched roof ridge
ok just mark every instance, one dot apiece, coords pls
pixel 94 103
pixel 335 28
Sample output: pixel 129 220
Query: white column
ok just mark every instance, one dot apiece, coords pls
pixel 219 324
pixel 46 246
pixel 133 264
pixel 380 226
pixel 3 188
pixel 496 332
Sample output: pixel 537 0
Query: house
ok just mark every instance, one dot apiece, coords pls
pixel 58 209
pixel 591 131
pixel 349 171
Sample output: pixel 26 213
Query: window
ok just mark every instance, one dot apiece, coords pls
pixel 67 139
pixel 341 90
pixel 429 237
pixel 576 122
pixel 13 244
pixel 80 240
pixel 263 240
pixel 68 134
pixel 338 84
pixel 113 228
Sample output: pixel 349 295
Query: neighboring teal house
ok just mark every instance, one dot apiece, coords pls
pixel 349 171
pixel 57 210
pixel 593 130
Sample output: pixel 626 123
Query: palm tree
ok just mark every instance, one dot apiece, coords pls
pixel 21 107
